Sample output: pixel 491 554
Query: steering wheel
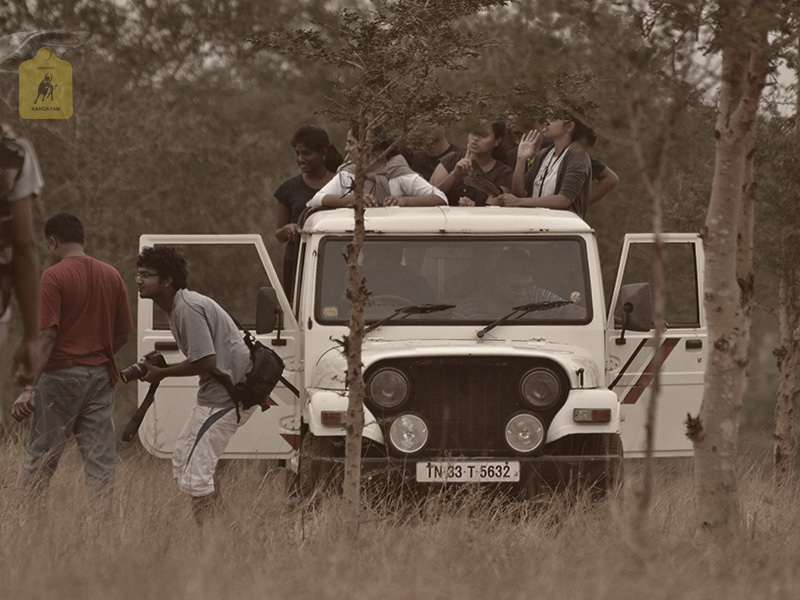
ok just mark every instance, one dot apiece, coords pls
pixel 389 299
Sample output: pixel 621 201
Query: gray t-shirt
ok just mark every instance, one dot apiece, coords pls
pixel 202 328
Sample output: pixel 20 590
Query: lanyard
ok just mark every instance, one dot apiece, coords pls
pixel 552 162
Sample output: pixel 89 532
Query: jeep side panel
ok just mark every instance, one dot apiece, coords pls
pixel 630 359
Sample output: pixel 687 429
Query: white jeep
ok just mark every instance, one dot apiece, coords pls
pixel 489 353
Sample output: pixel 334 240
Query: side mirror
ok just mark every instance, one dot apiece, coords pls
pixel 637 309
pixel 268 311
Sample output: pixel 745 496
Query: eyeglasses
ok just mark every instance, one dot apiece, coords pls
pixel 145 275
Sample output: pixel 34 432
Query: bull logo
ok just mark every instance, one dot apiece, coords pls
pixel 46 88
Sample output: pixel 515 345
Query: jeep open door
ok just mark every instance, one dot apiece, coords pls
pixel 630 359
pixel 230 269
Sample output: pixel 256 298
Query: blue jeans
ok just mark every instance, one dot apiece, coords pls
pixel 73 402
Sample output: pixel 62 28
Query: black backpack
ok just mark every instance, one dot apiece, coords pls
pixel 267 371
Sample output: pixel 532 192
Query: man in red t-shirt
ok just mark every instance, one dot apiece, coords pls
pixel 84 319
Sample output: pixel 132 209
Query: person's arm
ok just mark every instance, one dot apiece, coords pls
pixel 427 200
pixel 415 191
pixel 518 179
pixel 25 275
pixel 445 180
pixel 22 407
pixel 334 193
pixel 529 144
pixel 556 201
pixel 186 368
pixel 577 175
pixel 348 199
pixel 285 230
pixel 504 178
pixel 607 180
pixel 119 341
pixel 123 321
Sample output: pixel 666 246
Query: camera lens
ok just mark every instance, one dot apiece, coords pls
pixel 132 373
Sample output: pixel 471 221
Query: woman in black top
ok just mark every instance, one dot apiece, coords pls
pixel 456 173
pixel 318 160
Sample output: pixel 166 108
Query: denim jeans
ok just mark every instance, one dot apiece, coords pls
pixel 73 402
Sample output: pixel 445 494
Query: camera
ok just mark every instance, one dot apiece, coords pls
pixel 138 370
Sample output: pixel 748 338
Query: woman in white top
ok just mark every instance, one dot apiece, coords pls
pixel 560 176
pixel 390 182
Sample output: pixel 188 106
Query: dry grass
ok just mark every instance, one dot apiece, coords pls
pixel 149 547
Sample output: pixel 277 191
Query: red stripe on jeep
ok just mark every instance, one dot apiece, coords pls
pixel 649 373
pixel 293 439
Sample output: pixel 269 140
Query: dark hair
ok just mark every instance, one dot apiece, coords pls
pixel 66 228
pixel 316 139
pixel 166 261
pixel 499 152
pixel 498 129
pixel 583 132
pixel 379 145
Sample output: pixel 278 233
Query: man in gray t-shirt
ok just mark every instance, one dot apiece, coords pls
pixel 202 328
pixel 212 345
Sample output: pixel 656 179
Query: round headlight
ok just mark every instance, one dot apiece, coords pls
pixel 524 433
pixel 388 388
pixel 408 433
pixel 540 388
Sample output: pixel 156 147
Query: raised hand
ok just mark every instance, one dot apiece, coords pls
pixel 529 144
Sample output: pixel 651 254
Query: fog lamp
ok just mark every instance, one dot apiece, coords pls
pixel 408 433
pixel 524 432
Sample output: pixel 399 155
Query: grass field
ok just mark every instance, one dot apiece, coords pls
pixel 150 547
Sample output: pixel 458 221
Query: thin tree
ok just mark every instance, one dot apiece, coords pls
pixel 779 255
pixel 742 30
pixel 391 53
pixel 659 55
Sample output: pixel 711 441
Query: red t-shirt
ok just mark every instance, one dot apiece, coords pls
pixel 86 300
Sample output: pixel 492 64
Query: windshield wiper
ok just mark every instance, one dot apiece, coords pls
pixel 414 309
pixel 523 310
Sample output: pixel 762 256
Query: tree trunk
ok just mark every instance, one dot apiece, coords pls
pixel 357 294
pixel 788 359
pixel 788 354
pixel 727 236
pixel 655 190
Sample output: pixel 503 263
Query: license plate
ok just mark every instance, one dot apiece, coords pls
pixel 467 471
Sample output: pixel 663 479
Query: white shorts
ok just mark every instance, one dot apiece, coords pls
pixel 200 445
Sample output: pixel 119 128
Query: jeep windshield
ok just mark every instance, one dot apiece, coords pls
pixel 483 278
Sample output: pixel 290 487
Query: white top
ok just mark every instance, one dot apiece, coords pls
pixel 403 185
pixel 547 176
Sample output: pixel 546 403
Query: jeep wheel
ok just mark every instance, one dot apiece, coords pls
pixel 596 482
pixel 610 479
pixel 318 472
